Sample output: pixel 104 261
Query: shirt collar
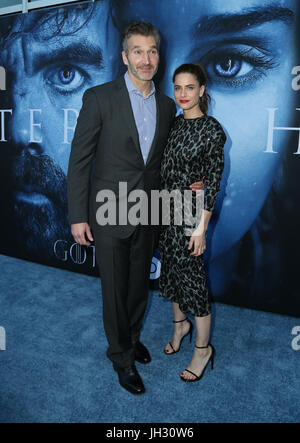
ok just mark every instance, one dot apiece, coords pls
pixel 132 88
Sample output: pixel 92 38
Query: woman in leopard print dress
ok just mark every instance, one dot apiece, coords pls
pixel 194 150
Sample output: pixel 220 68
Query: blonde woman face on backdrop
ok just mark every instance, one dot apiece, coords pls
pixel 248 49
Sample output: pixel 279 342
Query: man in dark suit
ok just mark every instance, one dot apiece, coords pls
pixel 123 127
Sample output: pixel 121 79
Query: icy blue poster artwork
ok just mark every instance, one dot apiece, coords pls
pixel 250 51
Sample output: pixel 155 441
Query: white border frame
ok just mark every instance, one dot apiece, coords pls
pixel 25 7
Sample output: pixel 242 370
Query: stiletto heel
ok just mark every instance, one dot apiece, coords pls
pixel 190 333
pixel 211 360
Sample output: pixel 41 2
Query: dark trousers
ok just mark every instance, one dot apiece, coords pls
pixel 124 266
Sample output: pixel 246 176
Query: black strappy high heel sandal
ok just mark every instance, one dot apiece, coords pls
pixel 211 359
pixel 190 333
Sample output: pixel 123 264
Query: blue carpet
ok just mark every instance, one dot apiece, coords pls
pixel 54 368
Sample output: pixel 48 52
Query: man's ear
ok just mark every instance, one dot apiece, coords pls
pixel 124 57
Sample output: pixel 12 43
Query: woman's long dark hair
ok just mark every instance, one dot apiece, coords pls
pixel 199 72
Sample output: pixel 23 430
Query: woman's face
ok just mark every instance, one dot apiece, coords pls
pixel 248 50
pixel 187 92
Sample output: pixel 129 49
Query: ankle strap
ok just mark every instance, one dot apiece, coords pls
pixel 202 347
pixel 180 321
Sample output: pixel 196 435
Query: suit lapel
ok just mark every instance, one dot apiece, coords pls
pixel 124 105
pixel 158 114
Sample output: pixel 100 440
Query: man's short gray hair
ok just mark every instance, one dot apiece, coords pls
pixel 140 28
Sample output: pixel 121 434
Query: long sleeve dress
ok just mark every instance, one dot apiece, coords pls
pixel 194 150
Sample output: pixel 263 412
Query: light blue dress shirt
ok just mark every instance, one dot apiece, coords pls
pixel 144 111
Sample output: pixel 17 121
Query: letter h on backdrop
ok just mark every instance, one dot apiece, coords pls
pixel 272 128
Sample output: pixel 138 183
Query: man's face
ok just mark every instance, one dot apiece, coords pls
pixel 247 48
pixel 142 57
pixel 47 77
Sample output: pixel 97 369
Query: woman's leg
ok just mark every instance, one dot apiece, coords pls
pixel 201 356
pixel 180 329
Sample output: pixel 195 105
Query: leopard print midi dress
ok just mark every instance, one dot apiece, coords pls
pixel 194 150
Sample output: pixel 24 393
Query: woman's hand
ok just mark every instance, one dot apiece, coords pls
pixel 198 242
pixel 198 187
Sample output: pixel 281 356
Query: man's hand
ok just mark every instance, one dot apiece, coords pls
pixel 198 187
pixel 79 231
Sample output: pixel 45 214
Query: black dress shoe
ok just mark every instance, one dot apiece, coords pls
pixel 130 379
pixel 141 353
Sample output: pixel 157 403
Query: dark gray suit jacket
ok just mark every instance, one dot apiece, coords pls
pixel 106 134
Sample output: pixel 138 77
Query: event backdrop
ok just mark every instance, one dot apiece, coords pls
pixel 250 50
